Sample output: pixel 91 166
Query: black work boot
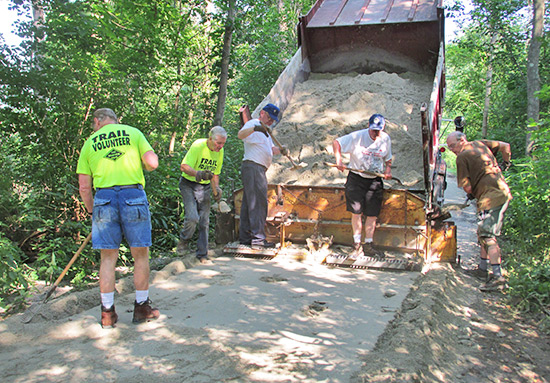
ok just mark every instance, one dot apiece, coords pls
pixel 108 316
pixel 143 312
pixel 494 283
pixel 370 251
pixel 182 247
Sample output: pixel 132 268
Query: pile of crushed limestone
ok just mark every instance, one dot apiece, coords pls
pixel 328 106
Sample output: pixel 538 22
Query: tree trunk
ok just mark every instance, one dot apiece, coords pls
pixel 39 19
pixel 176 113
pixel 488 86
pixel 533 79
pixel 226 53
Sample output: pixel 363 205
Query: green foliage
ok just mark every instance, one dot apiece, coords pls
pixel 15 275
pixel 265 41
pixel 165 201
pixel 528 218
pixel 530 281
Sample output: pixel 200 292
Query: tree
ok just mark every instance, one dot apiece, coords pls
pixel 488 85
pixel 226 52
pixel 474 56
pixel 533 79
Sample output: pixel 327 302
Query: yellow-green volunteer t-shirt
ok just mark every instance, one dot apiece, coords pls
pixel 199 157
pixel 112 156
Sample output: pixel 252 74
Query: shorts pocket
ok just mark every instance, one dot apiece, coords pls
pixel 103 210
pixel 136 210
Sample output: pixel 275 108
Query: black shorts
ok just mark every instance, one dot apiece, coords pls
pixel 364 195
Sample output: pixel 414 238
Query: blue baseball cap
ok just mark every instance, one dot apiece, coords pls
pixel 273 111
pixel 377 122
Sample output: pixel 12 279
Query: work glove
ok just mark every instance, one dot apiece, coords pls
pixel 261 128
pixel 204 175
pixel 504 165
pixel 217 193
pixel 284 151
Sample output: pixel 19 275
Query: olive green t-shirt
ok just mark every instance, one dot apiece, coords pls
pixel 112 156
pixel 199 157
pixel 477 166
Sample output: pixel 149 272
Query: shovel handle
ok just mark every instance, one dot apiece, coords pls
pixel 364 172
pixel 279 144
pixel 75 256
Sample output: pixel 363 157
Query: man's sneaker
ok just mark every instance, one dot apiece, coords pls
pixel 370 251
pixel 143 312
pixel 204 260
pixel 182 246
pixel 356 252
pixel 108 316
pixel 494 284
pixel 262 245
pixel 482 275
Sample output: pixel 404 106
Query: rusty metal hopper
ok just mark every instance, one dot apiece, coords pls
pixel 296 213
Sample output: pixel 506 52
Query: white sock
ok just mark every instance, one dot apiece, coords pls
pixel 368 240
pixel 108 300
pixel 357 238
pixel 142 295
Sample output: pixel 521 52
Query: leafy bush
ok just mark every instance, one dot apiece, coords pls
pixel 528 219
pixel 530 281
pixel 15 275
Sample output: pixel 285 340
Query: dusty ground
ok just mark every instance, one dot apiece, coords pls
pixel 240 319
pixel 246 320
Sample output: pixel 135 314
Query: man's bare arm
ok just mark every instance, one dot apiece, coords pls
pixel 85 188
pixel 150 160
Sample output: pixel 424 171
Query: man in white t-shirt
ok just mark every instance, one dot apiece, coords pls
pixel 258 154
pixel 370 150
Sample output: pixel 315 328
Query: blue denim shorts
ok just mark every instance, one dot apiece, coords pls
pixel 117 212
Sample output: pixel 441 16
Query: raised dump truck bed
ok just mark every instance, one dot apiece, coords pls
pixel 340 36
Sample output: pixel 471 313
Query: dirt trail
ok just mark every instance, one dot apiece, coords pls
pixel 241 320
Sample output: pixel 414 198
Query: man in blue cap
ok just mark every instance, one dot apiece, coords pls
pixel 370 150
pixel 258 155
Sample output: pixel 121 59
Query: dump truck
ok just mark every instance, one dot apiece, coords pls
pixel 356 58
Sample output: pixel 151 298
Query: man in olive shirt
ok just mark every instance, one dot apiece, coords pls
pixel 111 161
pixel 479 174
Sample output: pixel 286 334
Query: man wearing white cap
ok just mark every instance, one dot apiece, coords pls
pixel 370 150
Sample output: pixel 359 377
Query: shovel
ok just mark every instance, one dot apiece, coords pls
pixel 441 213
pixel 455 206
pixel 34 309
pixel 294 165
pixel 374 174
